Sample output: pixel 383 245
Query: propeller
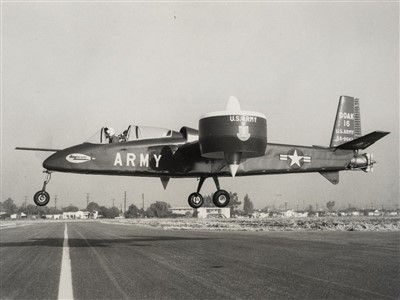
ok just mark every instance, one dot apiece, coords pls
pixel 370 162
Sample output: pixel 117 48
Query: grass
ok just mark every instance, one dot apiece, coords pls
pixel 272 224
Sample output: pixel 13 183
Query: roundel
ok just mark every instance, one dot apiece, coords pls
pixel 295 158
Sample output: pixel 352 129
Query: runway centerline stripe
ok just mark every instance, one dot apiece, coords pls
pixel 65 287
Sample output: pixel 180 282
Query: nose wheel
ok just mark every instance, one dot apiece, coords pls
pixel 221 198
pixel 41 198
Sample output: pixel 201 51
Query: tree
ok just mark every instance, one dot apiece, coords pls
pixel 31 209
pixel 208 201
pixel 248 206
pixel 54 211
pixel 159 210
pixel 103 211
pixel 149 213
pixel 109 213
pixel 132 211
pixel 330 205
pixel 70 208
pixel 112 212
pixel 93 206
pixel 142 212
pixel 9 206
pixel 234 202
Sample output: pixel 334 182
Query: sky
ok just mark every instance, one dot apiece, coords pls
pixel 69 68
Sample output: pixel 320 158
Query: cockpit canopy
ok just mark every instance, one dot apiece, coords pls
pixel 145 132
pixel 132 133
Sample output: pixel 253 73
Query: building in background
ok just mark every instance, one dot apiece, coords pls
pixel 214 212
pixel 182 211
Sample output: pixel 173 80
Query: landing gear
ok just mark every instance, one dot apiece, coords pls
pixel 221 198
pixel 195 200
pixel 41 198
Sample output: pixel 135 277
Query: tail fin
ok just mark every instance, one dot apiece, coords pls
pixel 348 122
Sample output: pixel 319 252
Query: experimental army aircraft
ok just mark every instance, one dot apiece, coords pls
pixel 232 142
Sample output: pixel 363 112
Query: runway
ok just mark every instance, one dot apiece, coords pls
pixel 131 262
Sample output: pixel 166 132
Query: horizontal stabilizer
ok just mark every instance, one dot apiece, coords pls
pixel 364 141
pixel 333 177
pixel 37 149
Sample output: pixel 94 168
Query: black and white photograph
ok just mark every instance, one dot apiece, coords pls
pixel 200 149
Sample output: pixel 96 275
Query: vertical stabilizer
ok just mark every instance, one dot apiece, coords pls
pixel 348 122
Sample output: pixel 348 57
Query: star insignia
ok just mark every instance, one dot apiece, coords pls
pixel 295 158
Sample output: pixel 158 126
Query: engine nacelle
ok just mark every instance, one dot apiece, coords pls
pixel 363 161
pixel 233 134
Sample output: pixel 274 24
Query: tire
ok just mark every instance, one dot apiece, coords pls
pixel 41 198
pixel 195 200
pixel 221 198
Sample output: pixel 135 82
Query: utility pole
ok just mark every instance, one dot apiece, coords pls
pixel 113 200
pixel 277 196
pixel 87 199
pixel 124 201
pixel 26 199
pixel 55 201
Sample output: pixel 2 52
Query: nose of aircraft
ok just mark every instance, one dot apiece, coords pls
pixel 52 162
pixel 73 159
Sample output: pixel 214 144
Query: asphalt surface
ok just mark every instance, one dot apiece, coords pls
pixel 131 262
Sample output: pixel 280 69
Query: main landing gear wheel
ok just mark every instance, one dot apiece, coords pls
pixel 221 198
pixel 41 198
pixel 195 200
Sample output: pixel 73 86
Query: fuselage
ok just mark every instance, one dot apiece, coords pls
pixel 175 157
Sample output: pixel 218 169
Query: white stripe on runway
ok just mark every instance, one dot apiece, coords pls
pixel 65 287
